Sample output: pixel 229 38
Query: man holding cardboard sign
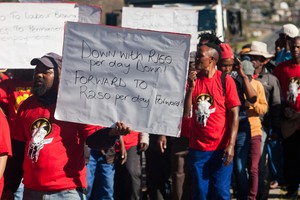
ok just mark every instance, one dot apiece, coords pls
pixel 54 163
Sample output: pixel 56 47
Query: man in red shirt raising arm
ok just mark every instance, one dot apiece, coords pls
pixel 213 126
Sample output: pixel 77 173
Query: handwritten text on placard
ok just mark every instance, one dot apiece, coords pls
pixel 111 74
pixel 30 30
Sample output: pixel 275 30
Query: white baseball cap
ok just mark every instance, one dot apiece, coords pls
pixel 290 30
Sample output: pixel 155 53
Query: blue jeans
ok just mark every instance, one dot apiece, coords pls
pixel 18 195
pixel 241 159
pixel 100 177
pixel 59 195
pixel 210 178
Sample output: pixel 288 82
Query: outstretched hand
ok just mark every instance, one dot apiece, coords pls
pixel 239 68
pixel 143 147
pixel 120 129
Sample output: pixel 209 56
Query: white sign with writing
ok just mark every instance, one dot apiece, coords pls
pixel 163 19
pixel 29 30
pixel 114 74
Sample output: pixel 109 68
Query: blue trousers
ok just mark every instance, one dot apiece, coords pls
pixel 100 177
pixel 18 195
pixel 210 178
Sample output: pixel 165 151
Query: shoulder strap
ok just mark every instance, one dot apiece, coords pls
pixel 223 81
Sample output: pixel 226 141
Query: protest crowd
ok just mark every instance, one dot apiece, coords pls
pixel 240 133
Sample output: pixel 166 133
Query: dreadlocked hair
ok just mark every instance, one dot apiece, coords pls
pixel 210 37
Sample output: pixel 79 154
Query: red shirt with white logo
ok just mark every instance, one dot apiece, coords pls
pixel 54 150
pixel 207 126
pixel 288 75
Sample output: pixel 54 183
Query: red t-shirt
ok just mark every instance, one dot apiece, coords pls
pixel 54 150
pixel 288 75
pixel 12 93
pixel 5 144
pixel 208 123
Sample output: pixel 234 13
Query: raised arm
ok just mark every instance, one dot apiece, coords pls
pixel 251 94
pixel 107 137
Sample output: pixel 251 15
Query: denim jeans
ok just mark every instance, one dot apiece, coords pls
pixel 100 177
pixel 59 195
pixel 241 159
pixel 210 178
pixel 18 195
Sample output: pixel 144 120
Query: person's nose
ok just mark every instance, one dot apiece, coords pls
pixel 38 75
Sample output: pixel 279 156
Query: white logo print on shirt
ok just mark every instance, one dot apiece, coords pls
pixel 293 90
pixel 40 129
pixel 204 101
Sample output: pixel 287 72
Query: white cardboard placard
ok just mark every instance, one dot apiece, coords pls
pixel 30 30
pixel 114 74
pixel 177 20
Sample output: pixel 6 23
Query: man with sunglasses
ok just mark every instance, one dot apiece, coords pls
pixel 271 143
pixel 213 126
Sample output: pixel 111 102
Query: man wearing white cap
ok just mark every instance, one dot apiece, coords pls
pixel 286 33
pixel 288 74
